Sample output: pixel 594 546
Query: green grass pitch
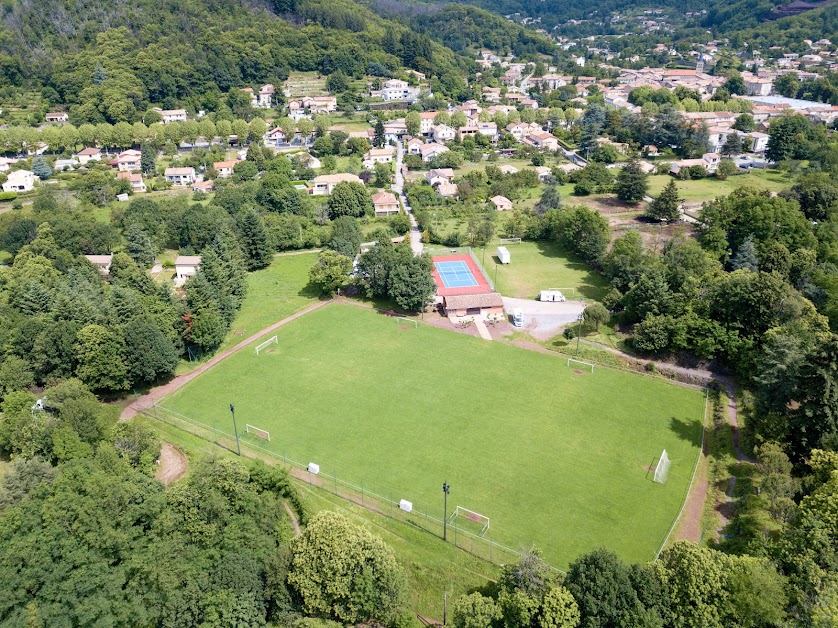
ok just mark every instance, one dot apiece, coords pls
pixel 555 458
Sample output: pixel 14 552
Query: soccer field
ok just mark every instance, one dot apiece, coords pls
pixel 555 457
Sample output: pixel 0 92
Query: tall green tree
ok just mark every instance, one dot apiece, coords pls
pixel 254 238
pixel 100 358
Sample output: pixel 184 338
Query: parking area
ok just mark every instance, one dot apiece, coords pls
pixel 544 320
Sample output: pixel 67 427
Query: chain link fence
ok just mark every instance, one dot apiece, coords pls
pixel 422 516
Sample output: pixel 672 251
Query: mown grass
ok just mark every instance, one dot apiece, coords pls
pixel 556 458
pixel 710 188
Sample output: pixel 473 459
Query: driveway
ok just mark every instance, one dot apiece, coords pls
pixel 542 320
pixel 398 188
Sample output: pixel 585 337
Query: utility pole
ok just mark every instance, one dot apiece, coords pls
pixel 578 333
pixel 235 430
pixel 446 488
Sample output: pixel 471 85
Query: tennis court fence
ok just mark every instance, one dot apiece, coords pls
pixel 386 503
pixel 477 257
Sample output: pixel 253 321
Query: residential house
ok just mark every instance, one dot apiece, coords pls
pixel 91 153
pixel 6 163
pixel 394 130
pixel 225 168
pixel 265 99
pixel 129 160
pixel 444 133
pixel 544 173
pixel 469 130
pixel 759 141
pixel 65 164
pixel 427 118
pixel 544 141
pixel 325 183
pixel 758 86
pixel 135 180
pixel 501 203
pixel 429 151
pixel 439 176
pixel 275 137
pixel 203 186
pixel 507 169
pixel 180 176
pixel 489 129
pixel 413 145
pixel 186 266
pixel 709 161
pixel 471 109
pixel 58 116
pixel 385 203
pixel 651 151
pixel 491 94
pixel 320 104
pixel 447 190
pixel 396 89
pixel 172 115
pixel 378 156
pixel 102 263
pixel 19 181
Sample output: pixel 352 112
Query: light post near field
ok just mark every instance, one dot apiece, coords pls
pixel 446 488
pixel 235 429
pixel 580 318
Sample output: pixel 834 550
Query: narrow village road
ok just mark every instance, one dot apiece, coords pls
pixel 398 188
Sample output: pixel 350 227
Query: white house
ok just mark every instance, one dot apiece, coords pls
pixel 275 137
pixel 325 183
pixel 501 203
pixel 489 129
pixel 135 180
pixel 265 98
pixel 180 176
pixel 759 141
pixel 396 89
pixel 62 164
pixel 101 262
pixel 439 176
pixel 394 130
pixel 225 168
pixel 90 153
pixel 59 116
pixel 19 181
pixel 385 203
pixel 544 141
pixel 427 122
pixel 172 115
pixel 378 156
pixel 129 160
pixel 429 151
pixel 186 266
pixel 444 133
pixel 413 145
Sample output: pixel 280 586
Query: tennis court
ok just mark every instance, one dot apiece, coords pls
pixel 455 274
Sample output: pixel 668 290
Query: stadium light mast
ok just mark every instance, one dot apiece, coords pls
pixel 580 318
pixel 446 488
pixel 235 429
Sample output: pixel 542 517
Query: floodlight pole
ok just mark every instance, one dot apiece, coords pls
pixel 446 488
pixel 235 429
pixel 578 332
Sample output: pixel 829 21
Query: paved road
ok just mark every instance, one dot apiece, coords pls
pixel 398 188
pixel 542 320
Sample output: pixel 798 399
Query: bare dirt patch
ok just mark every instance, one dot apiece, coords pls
pixel 172 464
pixel 578 372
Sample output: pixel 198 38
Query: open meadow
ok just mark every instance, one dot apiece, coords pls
pixel 557 457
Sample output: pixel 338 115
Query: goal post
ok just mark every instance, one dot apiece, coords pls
pixel 662 468
pixel 270 341
pixel 510 241
pixel 258 432
pixel 581 363
pixel 408 320
pixel 470 521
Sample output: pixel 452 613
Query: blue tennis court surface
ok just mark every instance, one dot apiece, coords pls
pixel 455 274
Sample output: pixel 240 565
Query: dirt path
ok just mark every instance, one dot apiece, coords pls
pixel 172 464
pixel 294 521
pixel 147 400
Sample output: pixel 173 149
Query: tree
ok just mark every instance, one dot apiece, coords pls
pixel 342 572
pixel 551 198
pixel 475 611
pixel 744 122
pixel 605 153
pixel 99 355
pixel 650 295
pixel 382 174
pixel 15 375
pixel 413 123
pixel 41 168
pixel 331 271
pixel 581 230
pixel 138 245
pixel 787 85
pixel 726 169
pixel 746 256
pixel 632 183
pixel 254 239
pixel 788 138
pixel 349 199
pixel 559 610
pixel 814 422
pixel 817 194
pixel 148 159
pixel 346 236
pixel 666 206
pixel 595 315
pixel 601 586
pixel 411 284
pixel 733 144
pixel 378 139
pixel 149 354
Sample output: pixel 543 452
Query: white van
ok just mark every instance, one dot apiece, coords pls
pixel 518 317
pixel 551 295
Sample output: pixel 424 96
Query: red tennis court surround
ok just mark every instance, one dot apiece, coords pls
pixel 481 287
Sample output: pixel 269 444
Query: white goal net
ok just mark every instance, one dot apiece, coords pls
pixel 510 240
pixel 662 468
pixel 469 521
pixel 581 364
pixel 270 341
pixel 257 432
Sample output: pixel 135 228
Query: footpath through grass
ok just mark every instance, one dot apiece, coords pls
pixel 556 458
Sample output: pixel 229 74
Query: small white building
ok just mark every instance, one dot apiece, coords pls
pixel 129 160
pixel 172 115
pixel 58 116
pixel 91 153
pixel 225 168
pixel 265 99
pixel 20 181
pixel 180 176
pixel 186 266
pixel 385 203
pixel 501 203
pixel 378 156
pixel 101 262
pixel 325 183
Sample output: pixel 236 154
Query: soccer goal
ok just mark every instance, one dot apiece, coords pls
pixel 408 320
pixel 581 363
pixel 662 468
pixel 258 432
pixel 469 521
pixel 504 241
pixel 270 341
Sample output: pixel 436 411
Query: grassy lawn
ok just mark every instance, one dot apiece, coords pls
pixel 431 565
pixel 272 294
pixel 556 458
pixel 711 188
pixel 536 266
